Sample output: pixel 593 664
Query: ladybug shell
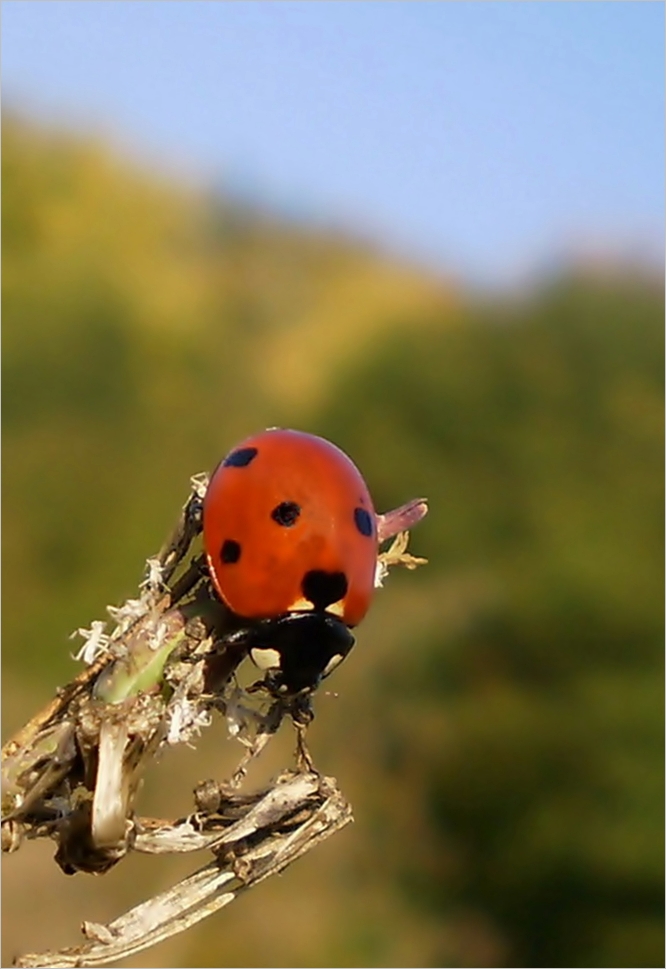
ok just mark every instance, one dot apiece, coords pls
pixel 289 525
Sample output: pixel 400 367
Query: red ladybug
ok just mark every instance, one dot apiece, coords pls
pixel 290 534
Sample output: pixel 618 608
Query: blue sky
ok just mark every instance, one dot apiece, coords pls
pixel 486 139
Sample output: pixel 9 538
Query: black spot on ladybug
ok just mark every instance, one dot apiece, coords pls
pixel 230 551
pixel 286 513
pixel 240 458
pixel 323 588
pixel 363 521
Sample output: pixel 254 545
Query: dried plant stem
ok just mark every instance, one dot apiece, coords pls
pixel 72 772
pixel 293 817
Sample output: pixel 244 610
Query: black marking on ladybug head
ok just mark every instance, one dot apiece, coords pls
pixel 363 521
pixel 230 551
pixel 324 588
pixel 286 513
pixel 240 458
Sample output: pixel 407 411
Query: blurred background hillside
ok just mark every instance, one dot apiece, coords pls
pixel 499 726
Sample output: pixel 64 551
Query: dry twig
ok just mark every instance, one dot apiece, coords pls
pixel 293 816
pixel 73 771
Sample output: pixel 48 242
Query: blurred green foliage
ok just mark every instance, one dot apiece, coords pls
pixel 500 723
pixel 535 737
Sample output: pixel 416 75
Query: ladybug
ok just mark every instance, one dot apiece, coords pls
pixel 290 535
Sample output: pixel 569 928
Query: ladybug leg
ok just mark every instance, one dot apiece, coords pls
pixel 259 686
pixel 237 637
pixel 302 715
pixel 304 760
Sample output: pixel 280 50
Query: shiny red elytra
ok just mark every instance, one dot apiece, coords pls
pixel 289 525
pixel 290 534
